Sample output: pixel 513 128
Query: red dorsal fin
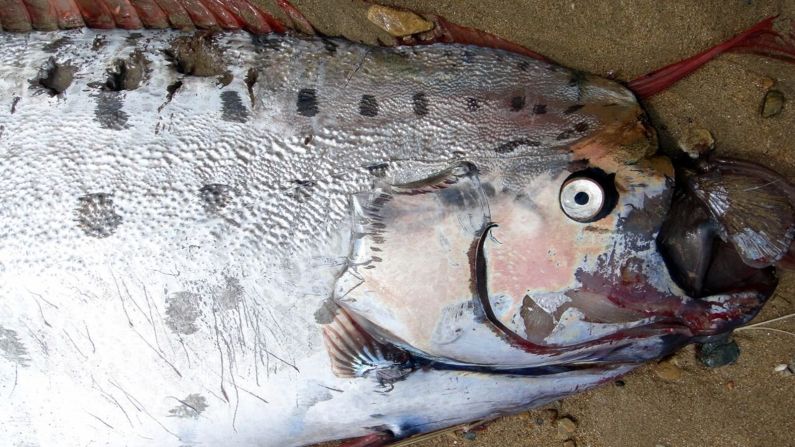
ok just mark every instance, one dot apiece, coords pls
pixel 759 39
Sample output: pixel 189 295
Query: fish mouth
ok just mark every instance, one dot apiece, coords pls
pixel 702 257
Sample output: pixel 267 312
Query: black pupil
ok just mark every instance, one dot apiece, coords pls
pixel 581 198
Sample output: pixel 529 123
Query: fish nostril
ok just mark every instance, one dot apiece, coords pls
pixel 581 198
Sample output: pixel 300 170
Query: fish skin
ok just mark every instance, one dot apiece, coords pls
pixel 166 250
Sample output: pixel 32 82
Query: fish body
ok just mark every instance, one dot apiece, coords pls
pixel 281 241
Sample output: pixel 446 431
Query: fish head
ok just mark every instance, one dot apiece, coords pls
pixel 486 265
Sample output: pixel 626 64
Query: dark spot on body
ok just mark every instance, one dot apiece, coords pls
pixel 109 113
pixel 330 46
pixel 378 170
pixel 523 65
pixel 96 215
pixel 14 103
pixel 571 109
pixel 127 74
pixel 327 311
pixel 12 349
pixel 232 107
pixel 368 106
pixel 99 41
pixel 252 75
pixel 230 296
pixel 171 90
pixel 182 311
pixel 56 77
pixel 196 55
pixel 56 44
pixel 473 104
pixel 517 103
pixel 306 104
pixel 215 196
pixel 540 109
pixel 301 190
pixel 581 127
pixel 420 104
pixel 191 407
pixel 566 134
pixel 511 146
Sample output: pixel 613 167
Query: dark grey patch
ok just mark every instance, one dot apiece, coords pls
pixel 378 170
pixel 325 314
pixel 515 144
pixel 182 311
pixel 572 109
pixel 133 38
pixel 191 407
pixel 96 215
pixel 523 65
pixel 252 75
pixel 539 109
pixel 196 55
pixel 420 104
pixel 306 104
pixel 473 104
pixel 55 77
pixel 488 189
pixel 127 74
pixel 581 127
pixel 14 103
pixel 100 40
pixel 233 108
pixel 267 42
pixel 215 196
pixel 171 90
pixel 109 113
pixel 330 46
pixel 11 347
pixel 517 103
pixel 566 134
pixel 56 44
pixel 368 106
pixel 230 296
pixel 302 189
pixel 308 139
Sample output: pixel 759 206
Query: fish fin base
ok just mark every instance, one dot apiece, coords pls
pixel 355 353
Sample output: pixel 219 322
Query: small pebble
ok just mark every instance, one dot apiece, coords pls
pixel 718 353
pixel 620 383
pixel 730 385
pixel 780 367
pixel 539 421
pixel 566 427
pixel 773 103
pixel 470 435
pixel 697 142
pixel 397 22
pixel 569 443
pixel 668 371
pixel 767 83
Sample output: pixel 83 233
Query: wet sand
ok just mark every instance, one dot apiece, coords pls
pixel 746 404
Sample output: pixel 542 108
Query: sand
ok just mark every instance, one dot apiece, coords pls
pixel 745 404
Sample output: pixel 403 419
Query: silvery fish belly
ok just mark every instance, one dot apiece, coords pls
pixel 230 240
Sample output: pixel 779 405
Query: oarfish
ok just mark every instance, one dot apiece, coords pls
pixel 237 239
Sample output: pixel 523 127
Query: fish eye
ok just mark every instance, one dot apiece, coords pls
pixel 587 196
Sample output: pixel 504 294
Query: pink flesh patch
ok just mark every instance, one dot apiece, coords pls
pixel 760 39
